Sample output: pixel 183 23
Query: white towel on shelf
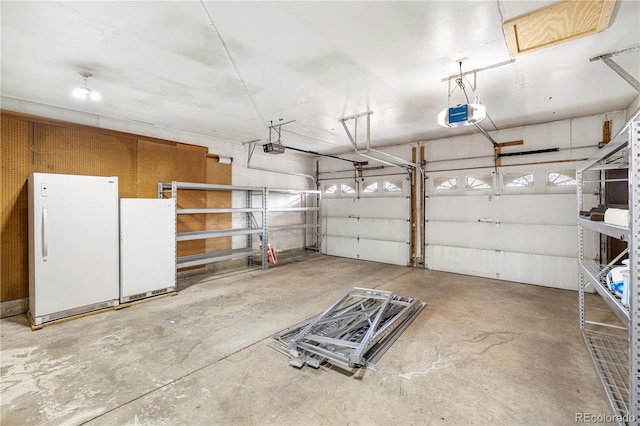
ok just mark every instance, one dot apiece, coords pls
pixel 618 217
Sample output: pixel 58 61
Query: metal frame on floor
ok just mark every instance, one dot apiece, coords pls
pixel 355 331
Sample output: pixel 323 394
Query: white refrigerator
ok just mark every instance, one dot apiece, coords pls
pixel 147 247
pixel 73 245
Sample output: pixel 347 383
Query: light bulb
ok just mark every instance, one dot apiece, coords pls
pixel 86 93
pixel 81 93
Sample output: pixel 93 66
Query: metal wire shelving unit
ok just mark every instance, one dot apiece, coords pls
pixel 616 357
pixel 308 208
pixel 251 227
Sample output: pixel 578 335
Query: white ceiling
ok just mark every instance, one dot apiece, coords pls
pixel 313 62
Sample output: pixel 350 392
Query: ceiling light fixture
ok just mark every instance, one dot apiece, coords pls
pixel 85 92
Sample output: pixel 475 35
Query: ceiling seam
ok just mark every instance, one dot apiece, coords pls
pixel 233 63
pixel 504 36
pixel 313 138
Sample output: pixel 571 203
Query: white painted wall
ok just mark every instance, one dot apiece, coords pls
pixel 632 108
pixel 576 139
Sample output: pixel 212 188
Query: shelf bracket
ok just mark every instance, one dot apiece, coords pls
pixel 606 58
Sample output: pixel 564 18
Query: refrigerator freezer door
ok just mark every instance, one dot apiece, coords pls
pixel 147 247
pixel 73 247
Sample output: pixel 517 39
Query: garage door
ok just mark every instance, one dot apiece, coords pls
pixel 518 226
pixel 367 220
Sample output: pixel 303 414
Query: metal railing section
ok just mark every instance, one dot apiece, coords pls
pixel 354 331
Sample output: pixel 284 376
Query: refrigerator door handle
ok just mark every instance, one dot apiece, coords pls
pixel 45 232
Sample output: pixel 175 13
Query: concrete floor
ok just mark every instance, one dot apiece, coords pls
pixel 483 351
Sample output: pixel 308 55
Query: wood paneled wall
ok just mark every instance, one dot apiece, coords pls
pixel 16 148
pixel 218 173
pixel 33 144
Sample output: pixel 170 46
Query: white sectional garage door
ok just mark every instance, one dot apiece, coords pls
pixel 526 234
pixel 373 227
pixel 505 238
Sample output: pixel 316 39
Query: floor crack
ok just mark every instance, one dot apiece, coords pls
pixel 454 354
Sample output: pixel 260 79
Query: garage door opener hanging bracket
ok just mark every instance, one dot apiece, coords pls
pixel 368 152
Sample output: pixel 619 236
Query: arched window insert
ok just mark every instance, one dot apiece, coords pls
pixel 331 189
pixel 392 187
pixel 519 180
pixel 372 187
pixel 563 178
pixel 446 184
pixel 348 188
pixel 476 183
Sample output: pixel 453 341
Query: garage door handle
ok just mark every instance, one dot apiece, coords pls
pixel 354 217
